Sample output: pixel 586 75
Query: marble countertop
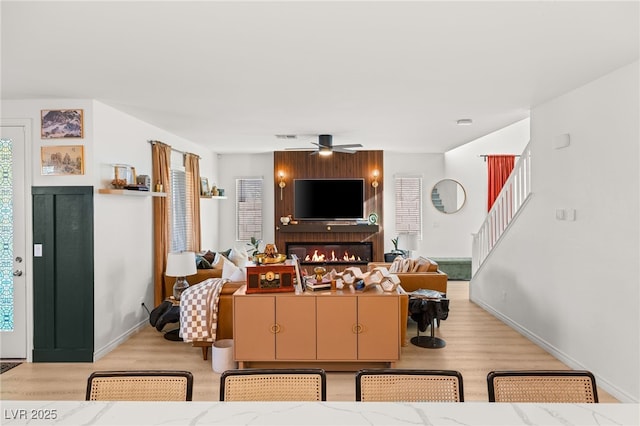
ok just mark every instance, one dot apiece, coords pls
pixel 313 413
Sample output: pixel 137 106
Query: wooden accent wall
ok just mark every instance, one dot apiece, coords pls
pixel 302 165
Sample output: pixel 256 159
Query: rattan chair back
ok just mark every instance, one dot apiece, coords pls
pixel 574 386
pixel 400 385
pixel 257 384
pixel 140 385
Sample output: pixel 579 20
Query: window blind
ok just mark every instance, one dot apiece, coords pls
pixel 178 211
pixel 408 205
pixel 248 209
pixel 190 192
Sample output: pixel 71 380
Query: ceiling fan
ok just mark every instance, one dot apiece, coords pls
pixel 326 147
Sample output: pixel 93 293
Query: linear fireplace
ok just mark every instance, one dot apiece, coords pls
pixel 350 253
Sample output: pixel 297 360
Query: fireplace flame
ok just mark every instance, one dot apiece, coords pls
pixel 320 257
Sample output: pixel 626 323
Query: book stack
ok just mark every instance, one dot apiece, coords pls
pixel 314 285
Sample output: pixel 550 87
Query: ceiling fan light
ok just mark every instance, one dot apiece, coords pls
pixel 325 152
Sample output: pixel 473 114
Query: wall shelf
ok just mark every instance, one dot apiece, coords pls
pixel 133 193
pixel 308 227
pixel 216 197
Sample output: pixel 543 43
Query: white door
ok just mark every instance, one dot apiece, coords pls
pixel 13 307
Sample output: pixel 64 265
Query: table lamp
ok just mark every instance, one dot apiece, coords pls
pixel 180 265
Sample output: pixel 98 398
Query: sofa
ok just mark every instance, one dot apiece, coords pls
pixel 225 304
pixel 416 273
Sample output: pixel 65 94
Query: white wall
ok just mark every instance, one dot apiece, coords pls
pixel 431 168
pixel 123 239
pixel 465 165
pixel 449 235
pixel 444 235
pixel 572 286
pixel 235 166
pixel 124 225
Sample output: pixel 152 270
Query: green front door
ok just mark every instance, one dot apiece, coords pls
pixel 63 274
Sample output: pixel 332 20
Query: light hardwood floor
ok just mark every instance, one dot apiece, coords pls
pixel 476 344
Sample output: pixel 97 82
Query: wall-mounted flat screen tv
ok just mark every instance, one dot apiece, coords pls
pixel 328 199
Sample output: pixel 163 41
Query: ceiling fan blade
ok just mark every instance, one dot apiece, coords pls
pixel 352 145
pixel 344 151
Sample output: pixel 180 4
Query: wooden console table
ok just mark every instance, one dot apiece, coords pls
pixel 342 330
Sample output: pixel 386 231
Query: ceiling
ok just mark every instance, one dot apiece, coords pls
pixel 389 75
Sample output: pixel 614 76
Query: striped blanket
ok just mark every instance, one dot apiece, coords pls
pixel 199 310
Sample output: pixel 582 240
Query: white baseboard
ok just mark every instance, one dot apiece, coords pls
pixel 97 354
pixel 569 361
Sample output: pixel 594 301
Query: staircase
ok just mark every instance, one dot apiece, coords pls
pixel 513 196
pixel 435 199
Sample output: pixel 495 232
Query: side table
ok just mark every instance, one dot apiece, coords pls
pixel 428 310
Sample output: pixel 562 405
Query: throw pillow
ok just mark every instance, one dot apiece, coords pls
pixel 239 256
pixel 202 263
pixel 218 262
pixel 421 265
pixel 209 256
pixel 396 265
pixel 433 265
pixel 426 265
pixel 231 272
pixel 228 268
pixel 238 275
pixel 406 265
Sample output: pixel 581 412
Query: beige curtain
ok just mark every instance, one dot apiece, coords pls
pixel 192 170
pixel 161 161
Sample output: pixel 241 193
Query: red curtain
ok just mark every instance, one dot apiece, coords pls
pixel 500 167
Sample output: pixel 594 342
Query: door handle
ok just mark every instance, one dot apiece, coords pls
pixel 17 273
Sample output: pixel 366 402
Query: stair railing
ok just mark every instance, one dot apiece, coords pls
pixel 512 197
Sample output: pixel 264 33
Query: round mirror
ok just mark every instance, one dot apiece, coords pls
pixel 448 196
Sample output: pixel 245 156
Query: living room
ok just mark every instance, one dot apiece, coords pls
pixel 547 278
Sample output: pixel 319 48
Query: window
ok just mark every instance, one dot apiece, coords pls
pixel 6 233
pixel 409 205
pixel 248 209
pixel 178 214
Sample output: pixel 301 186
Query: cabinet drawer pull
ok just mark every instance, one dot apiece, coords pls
pixel 275 328
pixel 356 329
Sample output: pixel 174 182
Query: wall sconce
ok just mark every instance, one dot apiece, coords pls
pixel 375 184
pixel 282 183
pixel 376 173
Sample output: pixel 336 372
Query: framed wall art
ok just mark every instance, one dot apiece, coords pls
pixel 61 123
pixel 204 187
pixel 62 160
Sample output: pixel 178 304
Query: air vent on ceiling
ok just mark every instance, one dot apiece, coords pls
pixel 287 137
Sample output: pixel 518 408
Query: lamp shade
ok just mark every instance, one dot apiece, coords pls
pixel 181 264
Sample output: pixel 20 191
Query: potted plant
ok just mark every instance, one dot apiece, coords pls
pixel 388 257
pixel 253 248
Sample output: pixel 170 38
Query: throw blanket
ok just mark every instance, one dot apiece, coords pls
pixel 199 310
